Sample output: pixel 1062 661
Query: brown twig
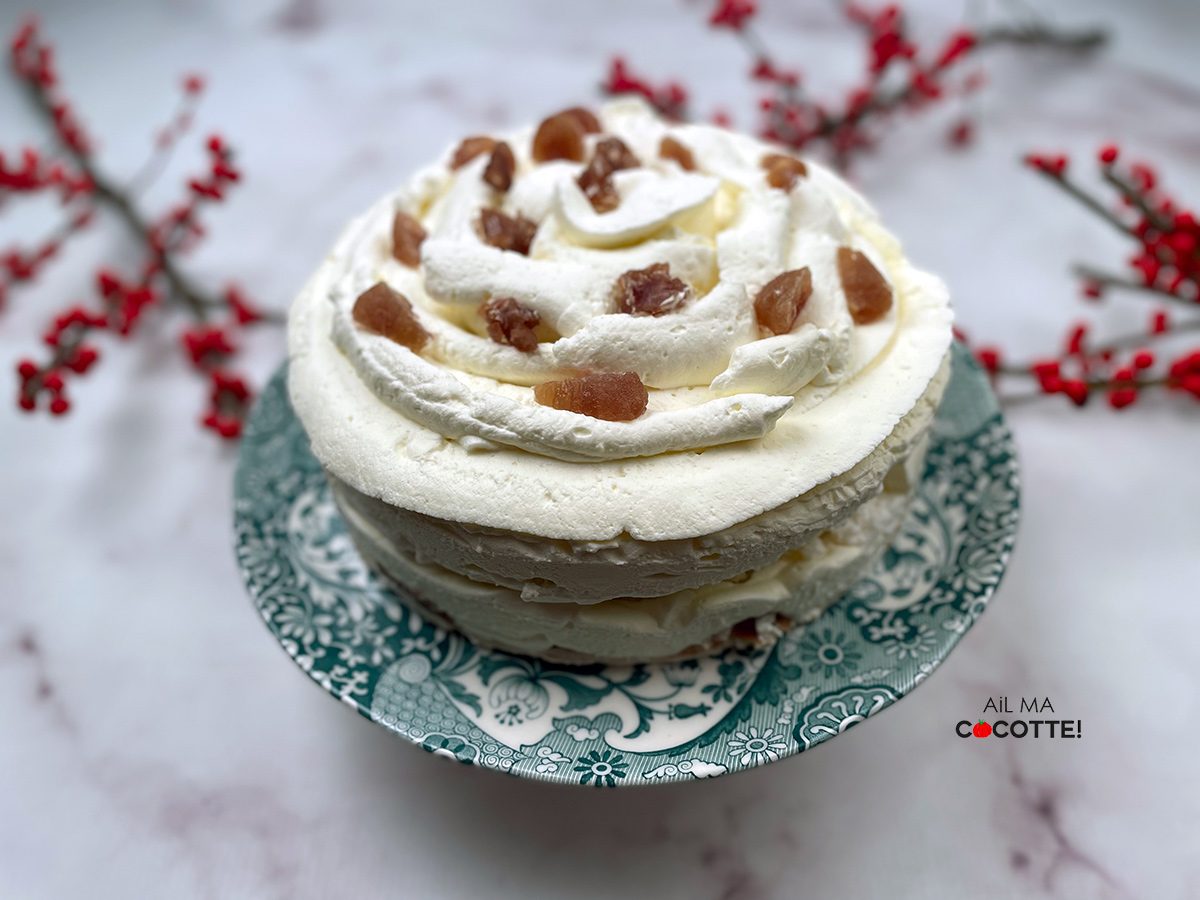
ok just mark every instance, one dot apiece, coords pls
pixel 1107 279
pixel 106 192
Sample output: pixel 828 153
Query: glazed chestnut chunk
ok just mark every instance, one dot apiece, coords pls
pixel 471 147
pixel 513 233
pixel 559 137
pixel 508 322
pixel 597 185
pixel 615 154
pixel 596 181
pixel 500 168
pixel 782 299
pixel 407 235
pixel 615 397
pixel 652 291
pixel 669 148
pixel 385 311
pixel 868 295
pixel 783 171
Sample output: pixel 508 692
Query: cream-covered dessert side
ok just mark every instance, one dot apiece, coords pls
pixel 615 388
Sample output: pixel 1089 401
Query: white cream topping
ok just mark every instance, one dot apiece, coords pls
pixel 723 230
pixel 765 418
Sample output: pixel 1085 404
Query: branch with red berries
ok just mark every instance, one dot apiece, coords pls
pixel 121 297
pixel 1163 268
pixel 902 75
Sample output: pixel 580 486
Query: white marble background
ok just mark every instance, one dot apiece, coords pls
pixel 155 743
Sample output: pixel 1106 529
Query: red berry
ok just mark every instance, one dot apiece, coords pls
pixel 27 402
pixel 1182 242
pixel 1122 397
pixel 1045 368
pixel 1077 390
pixel 989 358
pixel 59 405
pixel 959 43
pixel 962 132
pixel 1053 165
pixel 1108 154
pixel 1148 265
pixel 1075 339
pixel 1159 323
pixel 1143 359
pixel 732 14
pixel 1144 176
pixel 53 382
pixel 27 368
pixel 1191 384
pixel 83 359
pixel 108 282
pixel 1188 364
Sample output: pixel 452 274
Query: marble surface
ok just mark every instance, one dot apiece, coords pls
pixel 155 742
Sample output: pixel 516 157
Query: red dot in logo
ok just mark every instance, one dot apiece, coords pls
pixel 982 729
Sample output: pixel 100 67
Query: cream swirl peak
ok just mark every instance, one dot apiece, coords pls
pixel 723 231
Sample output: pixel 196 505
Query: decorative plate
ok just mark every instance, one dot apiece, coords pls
pixel 627 725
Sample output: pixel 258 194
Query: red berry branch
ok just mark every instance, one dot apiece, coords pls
pixel 1164 267
pixel 902 75
pixel 122 298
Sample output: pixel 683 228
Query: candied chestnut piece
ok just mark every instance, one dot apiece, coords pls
pixel 597 185
pixel 615 397
pixel 782 299
pixel 500 168
pixel 506 232
pixel 782 170
pixel 471 147
pixel 868 295
pixel 558 137
pixel 586 119
pixel 669 148
pixel 614 152
pixel 508 322
pixel 596 181
pixel 407 235
pixel 745 631
pixel 384 310
pixel 652 291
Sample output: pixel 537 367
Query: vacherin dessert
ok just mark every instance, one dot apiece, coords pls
pixel 618 389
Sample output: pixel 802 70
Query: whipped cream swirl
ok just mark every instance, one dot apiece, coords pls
pixel 714 378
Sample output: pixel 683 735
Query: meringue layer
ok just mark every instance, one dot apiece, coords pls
pixel 753 607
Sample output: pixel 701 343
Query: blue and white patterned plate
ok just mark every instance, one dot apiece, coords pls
pixel 626 725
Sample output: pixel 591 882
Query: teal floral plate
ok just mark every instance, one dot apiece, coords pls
pixel 626 725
